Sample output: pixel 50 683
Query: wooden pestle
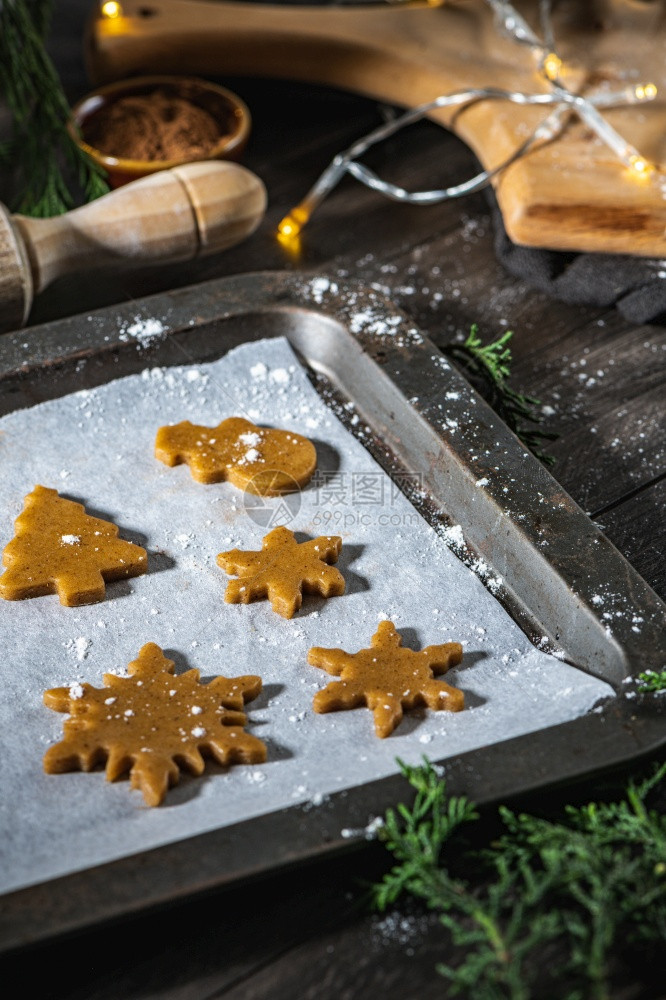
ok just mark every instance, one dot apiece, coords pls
pixel 172 215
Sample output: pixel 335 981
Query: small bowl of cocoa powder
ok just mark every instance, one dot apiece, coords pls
pixel 145 124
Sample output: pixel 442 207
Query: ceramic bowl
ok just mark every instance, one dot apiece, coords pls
pixel 229 111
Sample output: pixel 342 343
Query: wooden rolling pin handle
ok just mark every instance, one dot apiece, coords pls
pixel 172 215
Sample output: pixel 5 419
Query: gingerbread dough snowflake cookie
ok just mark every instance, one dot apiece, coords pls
pixel 59 549
pixel 387 678
pixel 153 722
pixel 259 460
pixel 283 570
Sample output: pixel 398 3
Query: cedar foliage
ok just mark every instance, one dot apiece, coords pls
pixel 48 168
pixel 546 909
pixel 489 368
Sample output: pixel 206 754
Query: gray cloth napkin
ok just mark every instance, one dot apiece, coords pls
pixel 635 285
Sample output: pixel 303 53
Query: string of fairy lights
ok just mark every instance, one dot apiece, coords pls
pixel 558 96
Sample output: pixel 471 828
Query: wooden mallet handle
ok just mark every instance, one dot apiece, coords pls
pixel 172 215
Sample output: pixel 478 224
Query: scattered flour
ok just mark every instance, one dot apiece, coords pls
pixel 144 331
pixel 250 438
pixel 280 375
pixel 369 832
pixel 79 647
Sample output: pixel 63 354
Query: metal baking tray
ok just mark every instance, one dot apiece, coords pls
pixel 552 559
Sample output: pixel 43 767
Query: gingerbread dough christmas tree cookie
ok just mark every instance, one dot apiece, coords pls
pixel 257 459
pixel 387 678
pixel 153 722
pixel 59 549
pixel 283 570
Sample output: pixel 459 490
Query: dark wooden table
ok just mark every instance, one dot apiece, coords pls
pixel 602 383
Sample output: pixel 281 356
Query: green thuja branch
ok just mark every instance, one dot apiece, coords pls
pixel 489 366
pixel 543 911
pixel 652 680
pixel 40 152
pixel 416 835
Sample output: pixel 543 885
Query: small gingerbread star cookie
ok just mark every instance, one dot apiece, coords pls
pixel 283 570
pixel 387 678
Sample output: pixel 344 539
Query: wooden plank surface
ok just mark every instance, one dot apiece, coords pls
pixel 409 54
pixel 308 933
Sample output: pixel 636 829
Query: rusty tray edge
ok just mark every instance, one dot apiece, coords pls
pixel 406 380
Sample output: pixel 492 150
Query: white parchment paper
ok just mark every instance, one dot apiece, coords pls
pixel 97 447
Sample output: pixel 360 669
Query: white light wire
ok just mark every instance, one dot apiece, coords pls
pixel 515 26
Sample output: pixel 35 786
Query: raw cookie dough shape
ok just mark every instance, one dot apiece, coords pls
pixel 387 678
pixel 259 460
pixel 59 549
pixel 152 723
pixel 283 570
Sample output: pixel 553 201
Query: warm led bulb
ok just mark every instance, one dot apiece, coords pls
pixel 111 9
pixel 289 236
pixel 552 64
pixel 640 166
pixel 292 224
pixel 288 227
pixel 645 91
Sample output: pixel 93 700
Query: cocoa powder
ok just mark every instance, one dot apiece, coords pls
pixel 153 126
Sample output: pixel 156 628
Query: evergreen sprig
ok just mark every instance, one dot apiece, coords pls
pixel 41 153
pixel 489 366
pixel 550 904
pixel 652 680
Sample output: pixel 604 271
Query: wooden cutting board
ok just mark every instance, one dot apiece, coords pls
pixel 573 194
